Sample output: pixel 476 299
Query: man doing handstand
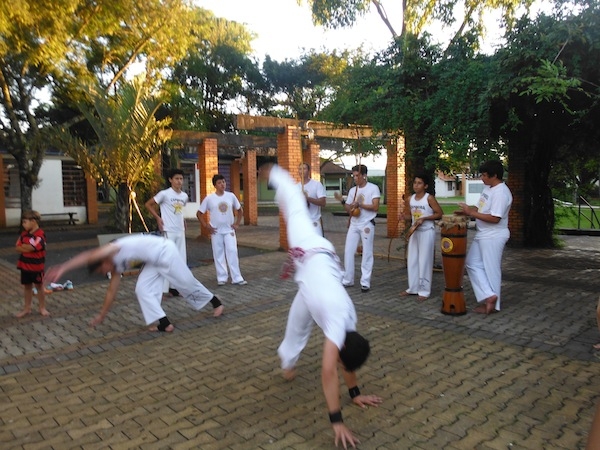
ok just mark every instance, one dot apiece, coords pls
pixel 321 298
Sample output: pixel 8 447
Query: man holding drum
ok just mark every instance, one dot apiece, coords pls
pixel 484 258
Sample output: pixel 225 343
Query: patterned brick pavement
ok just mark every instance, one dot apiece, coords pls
pixel 525 378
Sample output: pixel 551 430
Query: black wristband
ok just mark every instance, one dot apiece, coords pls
pixel 336 417
pixel 354 392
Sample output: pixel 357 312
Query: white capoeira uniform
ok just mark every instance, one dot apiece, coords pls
pixel 224 242
pixel 362 228
pixel 314 189
pixel 161 260
pixel 419 263
pixel 484 258
pixel 321 297
pixel 171 205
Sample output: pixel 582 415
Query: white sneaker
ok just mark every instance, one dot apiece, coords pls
pixel 222 283
pixel 240 283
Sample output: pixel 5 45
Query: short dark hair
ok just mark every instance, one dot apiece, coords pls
pixel 492 168
pixel 360 168
pixel 424 177
pixel 94 266
pixel 355 351
pixel 174 172
pixel 216 178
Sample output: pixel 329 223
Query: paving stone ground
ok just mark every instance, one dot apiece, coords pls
pixel 525 378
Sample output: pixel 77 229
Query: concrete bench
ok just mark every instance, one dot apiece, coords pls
pixel 55 217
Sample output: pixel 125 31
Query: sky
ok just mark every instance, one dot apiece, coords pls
pixel 285 28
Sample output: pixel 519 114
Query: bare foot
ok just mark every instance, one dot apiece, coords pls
pixel 596 346
pixel 44 312
pixel 405 294
pixel 169 329
pixel 421 298
pixel 23 313
pixel 218 311
pixel 488 306
pixel 289 374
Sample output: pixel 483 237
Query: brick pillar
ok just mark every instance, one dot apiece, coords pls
pixel 311 156
pixel 235 178
pixel 250 188
pixel 516 184
pixel 289 157
pixel 208 165
pixel 91 200
pixel 2 197
pixel 395 186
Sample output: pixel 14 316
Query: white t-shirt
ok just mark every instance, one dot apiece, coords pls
pixel 365 195
pixel 420 208
pixel 314 189
pixel 138 249
pixel 496 201
pixel 222 210
pixel 171 209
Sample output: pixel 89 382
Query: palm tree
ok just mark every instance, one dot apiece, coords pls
pixel 128 139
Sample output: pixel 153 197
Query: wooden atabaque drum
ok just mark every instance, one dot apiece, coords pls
pixel 454 250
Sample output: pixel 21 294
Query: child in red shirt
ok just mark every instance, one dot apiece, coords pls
pixel 32 248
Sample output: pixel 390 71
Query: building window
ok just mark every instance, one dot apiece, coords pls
pixel 12 186
pixel 450 185
pixel 74 186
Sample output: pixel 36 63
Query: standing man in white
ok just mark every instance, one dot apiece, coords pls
pixel 225 215
pixel 362 204
pixel 484 258
pixel 316 197
pixel 170 221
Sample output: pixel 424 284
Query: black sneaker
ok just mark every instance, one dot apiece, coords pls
pixel 174 292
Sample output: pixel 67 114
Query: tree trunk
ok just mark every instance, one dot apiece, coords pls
pixel 26 194
pixel 122 208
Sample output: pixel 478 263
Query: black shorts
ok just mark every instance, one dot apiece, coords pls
pixel 32 277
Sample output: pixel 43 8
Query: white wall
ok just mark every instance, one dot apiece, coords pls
pixel 474 190
pixel 48 196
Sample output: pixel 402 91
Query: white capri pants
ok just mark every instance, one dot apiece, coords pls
pixel 484 267
pixel 171 267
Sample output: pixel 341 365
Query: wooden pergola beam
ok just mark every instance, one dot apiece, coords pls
pixel 320 129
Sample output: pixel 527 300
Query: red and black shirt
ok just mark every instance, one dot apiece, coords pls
pixel 33 261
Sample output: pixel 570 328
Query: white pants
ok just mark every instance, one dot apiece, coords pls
pixel 419 263
pixel 172 267
pixel 225 254
pixel 178 238
pixel 318 227
pixel 366 235
pixel 484 266
pixel 320 294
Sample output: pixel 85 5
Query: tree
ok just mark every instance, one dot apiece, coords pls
pixel 302 88
pixel 545 105
pixel 54 47
pixel 215 76
pixel 128 139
